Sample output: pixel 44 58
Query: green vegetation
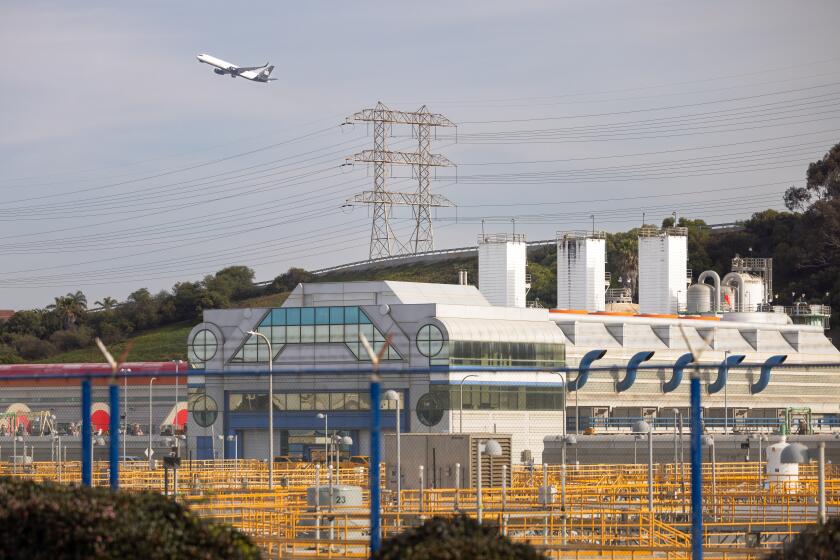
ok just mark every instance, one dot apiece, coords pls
pixel 804 243
pixel 455 538
pixel 48 520
pixel 164 343
pixel 818 542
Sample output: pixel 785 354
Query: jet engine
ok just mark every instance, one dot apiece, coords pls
pixel 218 71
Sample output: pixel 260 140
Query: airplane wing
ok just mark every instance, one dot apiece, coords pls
pixel 250 68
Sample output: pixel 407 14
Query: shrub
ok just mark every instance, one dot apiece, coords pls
pixel 8 355
pixel 814 543
pixel 455 538
pixel 71 339
pixel 47 520
pixel 32 348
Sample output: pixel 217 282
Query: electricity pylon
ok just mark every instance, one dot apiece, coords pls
pixel 383 241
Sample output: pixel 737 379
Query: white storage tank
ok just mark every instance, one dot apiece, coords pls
pixel 502 260
pixel 753 298
pixel 663 267
pixel 581 268
pixel 700 298
pixel 779 474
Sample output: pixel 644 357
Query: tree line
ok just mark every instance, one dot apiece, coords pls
pixel 69 323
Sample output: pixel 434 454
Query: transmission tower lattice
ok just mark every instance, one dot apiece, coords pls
pixel 383 241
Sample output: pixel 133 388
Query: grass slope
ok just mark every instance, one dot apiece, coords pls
pixel 165 343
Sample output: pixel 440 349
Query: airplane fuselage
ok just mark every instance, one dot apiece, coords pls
pixel 222 67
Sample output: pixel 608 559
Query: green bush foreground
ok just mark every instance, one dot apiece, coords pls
pixel 814 543
pixel 48 520
pixel 454 538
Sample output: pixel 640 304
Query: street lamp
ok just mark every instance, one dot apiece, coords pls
pixel 325 417
pixel 235 439
pixel 392 396
pixel 177 365
pixel 565 422
pixel 270 409
pixel 642 427
pixel 461 404
pixel 709 441
pixel 151 459
pixel 493 449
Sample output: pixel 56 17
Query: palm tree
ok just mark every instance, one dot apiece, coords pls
pixel 107 303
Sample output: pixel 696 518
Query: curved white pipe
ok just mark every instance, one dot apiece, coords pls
pixel 716 279
pixel 739 295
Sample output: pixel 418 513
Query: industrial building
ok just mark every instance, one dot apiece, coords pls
pixel 508 359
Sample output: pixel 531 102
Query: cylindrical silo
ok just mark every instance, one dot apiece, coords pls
pixel 699 298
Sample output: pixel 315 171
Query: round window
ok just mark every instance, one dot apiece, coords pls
pixel 429 340
pixel 429 410
pixel 204 345
pixel 205 410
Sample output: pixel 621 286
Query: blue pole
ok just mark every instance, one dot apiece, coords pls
pixel 696 473
pixel 375 450
pixel 87 451
pixel 114 449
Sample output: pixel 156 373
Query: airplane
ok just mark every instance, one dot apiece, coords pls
pixel 253 73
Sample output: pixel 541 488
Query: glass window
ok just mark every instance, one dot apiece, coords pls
pixel 278 335
pixel 293 316
pixel 307 316
pixel 322 315
pixel 351 401
pixel 322 333
pixel 204 345
pixel 336 401
pixel 429 340
pixel 364 401
pixel 307 401
pixel 278 316
pixel 307 334
pixel 293 401
pixel 351 315
pixel 322 401
pixel 280 401
pixel 336 333
pixel 336 315
pixel 293 335
pixel 363 319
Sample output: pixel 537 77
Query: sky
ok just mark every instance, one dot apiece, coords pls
pixel 125 163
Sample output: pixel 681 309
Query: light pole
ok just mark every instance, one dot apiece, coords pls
pixel 235 439
pixel 493 449
pixel 642 427
pixel 709 441
pixel 391 395
pixel 461 403
pixel 270 409
pixel 151 459
pixel 725 394
pixel 563 378
pixel 324 416
pixel 177 365
pixel 125 372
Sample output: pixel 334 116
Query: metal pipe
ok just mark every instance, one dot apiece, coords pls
pixel 725 394
pixel 457 486
pixel 478 482
pixel 151 458
pixel 375 458
pixel 87 439
pixel 317 502
pixel 399 467
pixel 821 517
pixel 422 486
pixel 650 469
pixel 114 447
pixel 461 403
pixel 696 472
